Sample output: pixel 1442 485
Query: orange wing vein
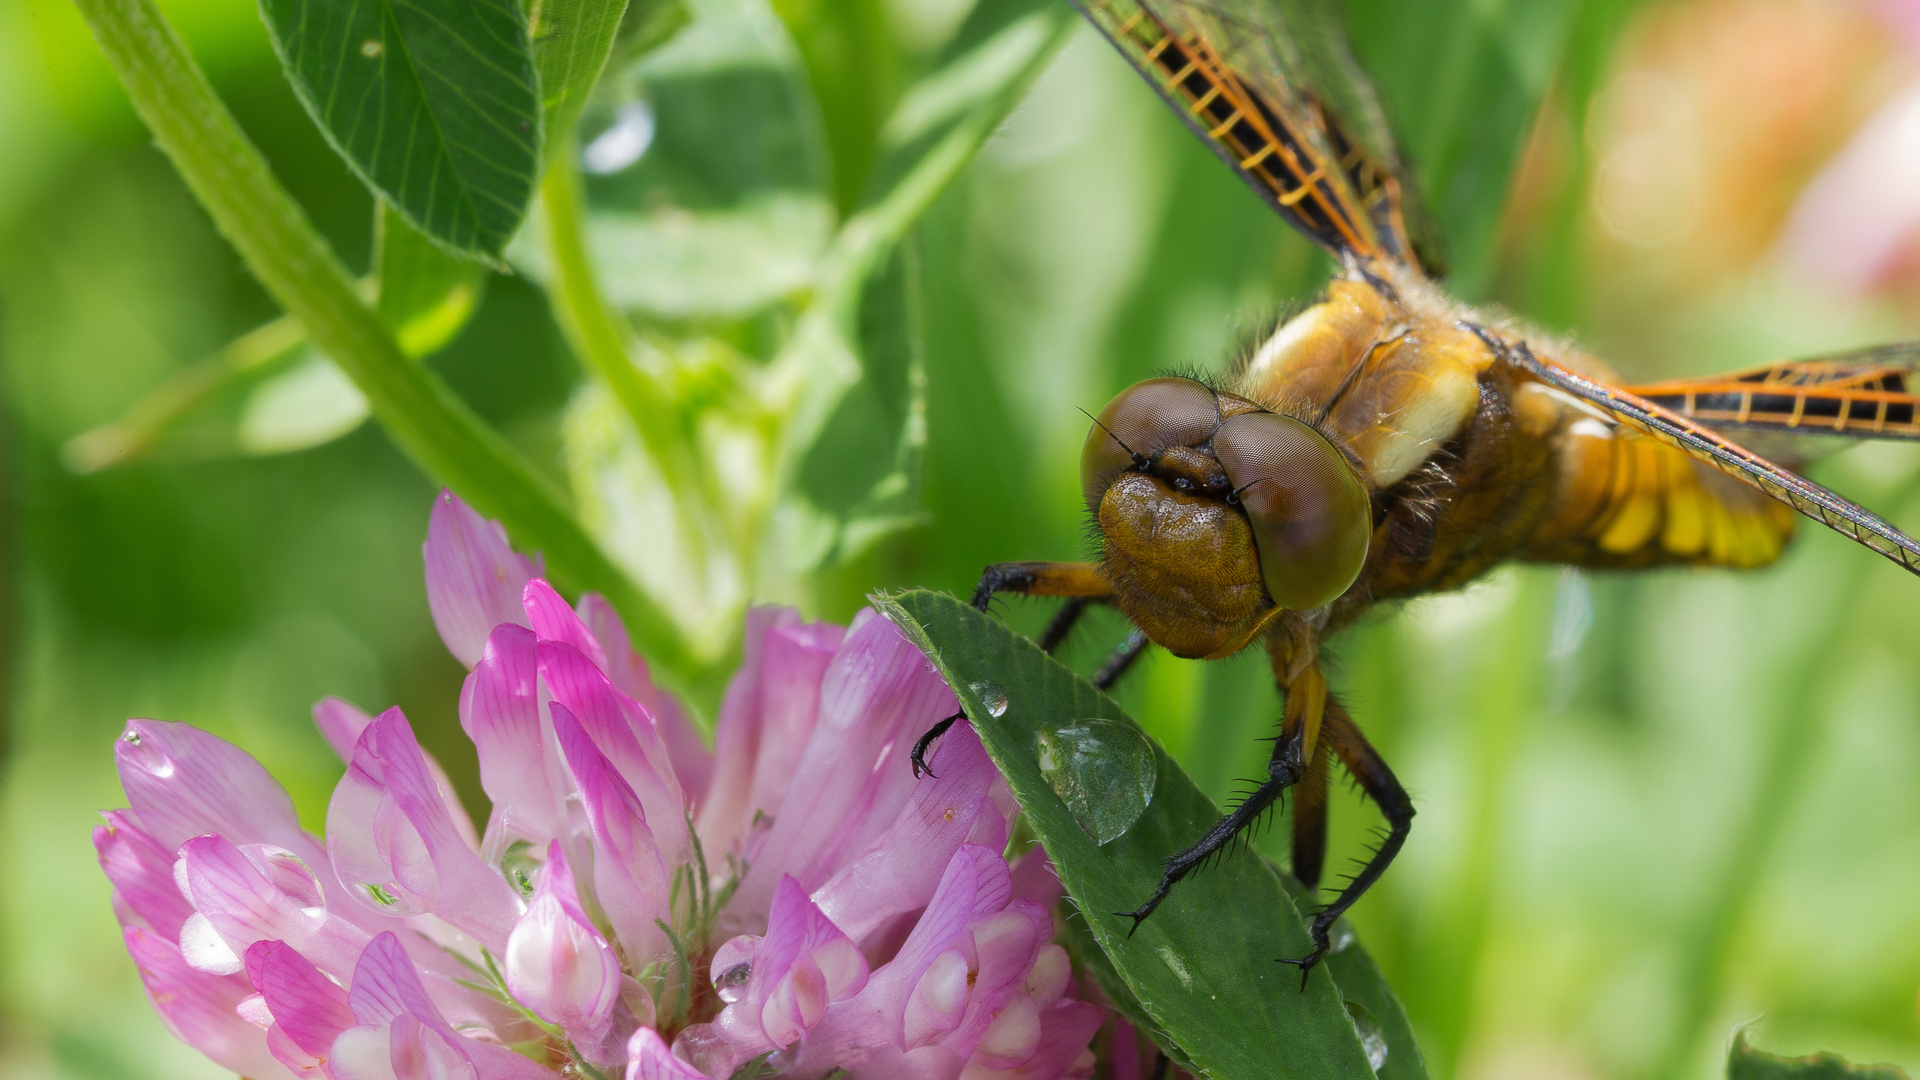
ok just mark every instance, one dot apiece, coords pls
pixel 1290 152
pixel 1868 394
pixel 1659 422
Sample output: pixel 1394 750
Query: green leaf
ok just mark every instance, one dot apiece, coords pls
pixel 863 473
pixel 1462 82
pixel 1204 967
pixel 425 418
pixel 571 42
pixel 308 405
pixel 1746 1063
pixel 426 295
pixel 434 103
pixel 937 129
pixel 680 225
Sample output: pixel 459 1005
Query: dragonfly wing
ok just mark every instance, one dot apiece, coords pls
pixel 1864 394
pixel 1706 445
pixel 1307 136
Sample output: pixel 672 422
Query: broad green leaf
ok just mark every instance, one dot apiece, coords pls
pixel 1746 1063
pixel 571 42
pixel 1204 967
pixel 434 103
pixel 426 295
pixel 1369 999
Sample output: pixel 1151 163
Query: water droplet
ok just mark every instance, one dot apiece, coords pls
pixel 992 696
pixel 1342 937
pixel 132 738
pixel 1372 1039
pixel 729 982
pixel 521 864
pixel 372 47
pixel 1103 770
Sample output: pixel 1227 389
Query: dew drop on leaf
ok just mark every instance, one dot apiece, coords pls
pixel 1372 1039
pixel 1103 770
pixel 992 696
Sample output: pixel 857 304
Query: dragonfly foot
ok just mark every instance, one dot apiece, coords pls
pixel 919 756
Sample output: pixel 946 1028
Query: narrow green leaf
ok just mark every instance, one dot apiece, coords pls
pixel 270 392
pixel 1746 1063
pixel 434 103
pixel 1205 966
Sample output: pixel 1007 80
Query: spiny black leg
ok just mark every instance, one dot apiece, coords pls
pixel 1062 623
pixel 1002 577
pixel 1121 660
pixel 1339 732
pixel 920 747
pixel 1285 769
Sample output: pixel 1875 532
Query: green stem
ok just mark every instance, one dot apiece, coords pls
pixel 603 341
pixel 280 246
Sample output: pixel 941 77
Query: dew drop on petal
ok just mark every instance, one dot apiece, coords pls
pixel 1104 770
pixel 992 696
pixel 1372 1039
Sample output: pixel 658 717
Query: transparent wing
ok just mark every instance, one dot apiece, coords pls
pixel 1275 92
pixel 1703 444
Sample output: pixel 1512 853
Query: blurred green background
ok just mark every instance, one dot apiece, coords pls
pixel 1653 808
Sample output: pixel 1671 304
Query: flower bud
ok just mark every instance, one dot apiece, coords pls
pixel 557 964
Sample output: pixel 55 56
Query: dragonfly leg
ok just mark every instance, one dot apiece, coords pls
pixel 1062 623
pixel 1122 659
pixel 1041 579
pixel 1310 820
pixel 920 745
pixel 1342 735
pixel 1284 769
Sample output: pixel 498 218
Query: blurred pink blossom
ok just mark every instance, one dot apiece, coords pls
pixel 634 903
pixel 1856 225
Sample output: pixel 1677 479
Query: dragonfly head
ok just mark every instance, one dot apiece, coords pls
pixel 1217 513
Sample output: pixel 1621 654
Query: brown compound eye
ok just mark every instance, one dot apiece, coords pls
pixel 1309 509
pixel 1143 420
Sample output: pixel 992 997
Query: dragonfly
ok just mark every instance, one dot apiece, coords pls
pixel 1389 441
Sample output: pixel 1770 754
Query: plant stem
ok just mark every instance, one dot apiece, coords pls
pixel 282 249
pixel 601 338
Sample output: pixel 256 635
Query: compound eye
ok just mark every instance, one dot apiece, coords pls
pixel 1144 419
pixel 1309 509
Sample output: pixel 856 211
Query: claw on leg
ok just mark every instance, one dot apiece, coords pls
pixel 920 767
pixel 1285 768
